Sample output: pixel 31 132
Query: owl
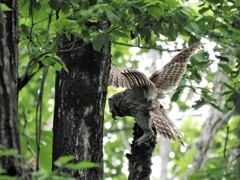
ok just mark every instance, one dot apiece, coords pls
pixel 141 97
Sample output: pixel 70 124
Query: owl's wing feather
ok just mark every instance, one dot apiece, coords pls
pixel 128 78
pixel 168 77
pixel 165 126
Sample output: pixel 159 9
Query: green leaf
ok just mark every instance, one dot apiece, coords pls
pixel 222 58
pixel 9 152
pixel 112 16
pixel 74 4
pixel 156 27
pixel 176 95
pixel 196 76
pixel 36 5
pixel 7 178
pixel 65 7
pixel 99 41
pixel 63 160
pixel 4 7
pixel 155 12
pixel 54 4
pixel 195 27
pixel 227 92
pixel 33 68
pixel 81 165
pixel 230 87
pixel 58 65
pixel 225 67
pixel 199 104
pixel 216 106
pixel 59 60
pixel 136 10
pixel 203 10
pixel 54 49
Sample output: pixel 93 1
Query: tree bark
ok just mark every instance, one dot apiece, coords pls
pixel 140 159
pixel 9 137
pixel 79 108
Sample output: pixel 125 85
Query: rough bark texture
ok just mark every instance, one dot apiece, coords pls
pixel 214 122
pixel 9 136
pixel 79 108
pixel 140 158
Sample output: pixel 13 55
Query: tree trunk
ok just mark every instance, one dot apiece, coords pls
pixel 140 159
pixel 234 163
pixel 9 137
pixel 234 155
pixel 214 122
pixel 79 107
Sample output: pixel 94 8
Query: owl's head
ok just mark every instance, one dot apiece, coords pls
pixel 113 107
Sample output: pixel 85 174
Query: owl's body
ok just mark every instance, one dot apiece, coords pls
pixel 140 100
pixel 133 102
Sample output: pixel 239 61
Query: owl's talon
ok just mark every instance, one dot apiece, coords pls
pixel 140 101
pixel 144 140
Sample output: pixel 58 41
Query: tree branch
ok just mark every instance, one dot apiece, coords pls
pixel 39 116
pixel 140 158
pixel 213 123
pixel 25 78
pixel 225 144
pixel 144 47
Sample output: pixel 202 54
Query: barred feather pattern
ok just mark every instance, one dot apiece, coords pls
pixel 128 78
pixel 140 100
pixel 165 126
pixel 168 77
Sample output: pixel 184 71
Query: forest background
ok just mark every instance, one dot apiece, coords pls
pixel 138 34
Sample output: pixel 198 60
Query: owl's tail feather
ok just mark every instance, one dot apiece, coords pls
pixel 165 126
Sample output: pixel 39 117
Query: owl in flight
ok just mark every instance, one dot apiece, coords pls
pixel 140 99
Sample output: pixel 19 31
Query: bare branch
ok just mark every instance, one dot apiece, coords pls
pixel 39 116
pixel 144 47
pixel 225 145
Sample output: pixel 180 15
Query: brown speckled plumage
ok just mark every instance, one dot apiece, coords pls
pixel 140 100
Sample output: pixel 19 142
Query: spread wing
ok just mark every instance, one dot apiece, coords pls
pixel 168 77
pixel 128 78
pixel 165 126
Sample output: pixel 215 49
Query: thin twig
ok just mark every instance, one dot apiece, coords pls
pixel 39 116
pixel 32 22
pixel 25 134
pixel 38 41
pixel 225 145
pixel 73 49
pixel 144 47
pixel 25 78
pixel 48 25
pixel 52 14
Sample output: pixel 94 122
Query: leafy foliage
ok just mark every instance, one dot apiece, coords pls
pixel 149 24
